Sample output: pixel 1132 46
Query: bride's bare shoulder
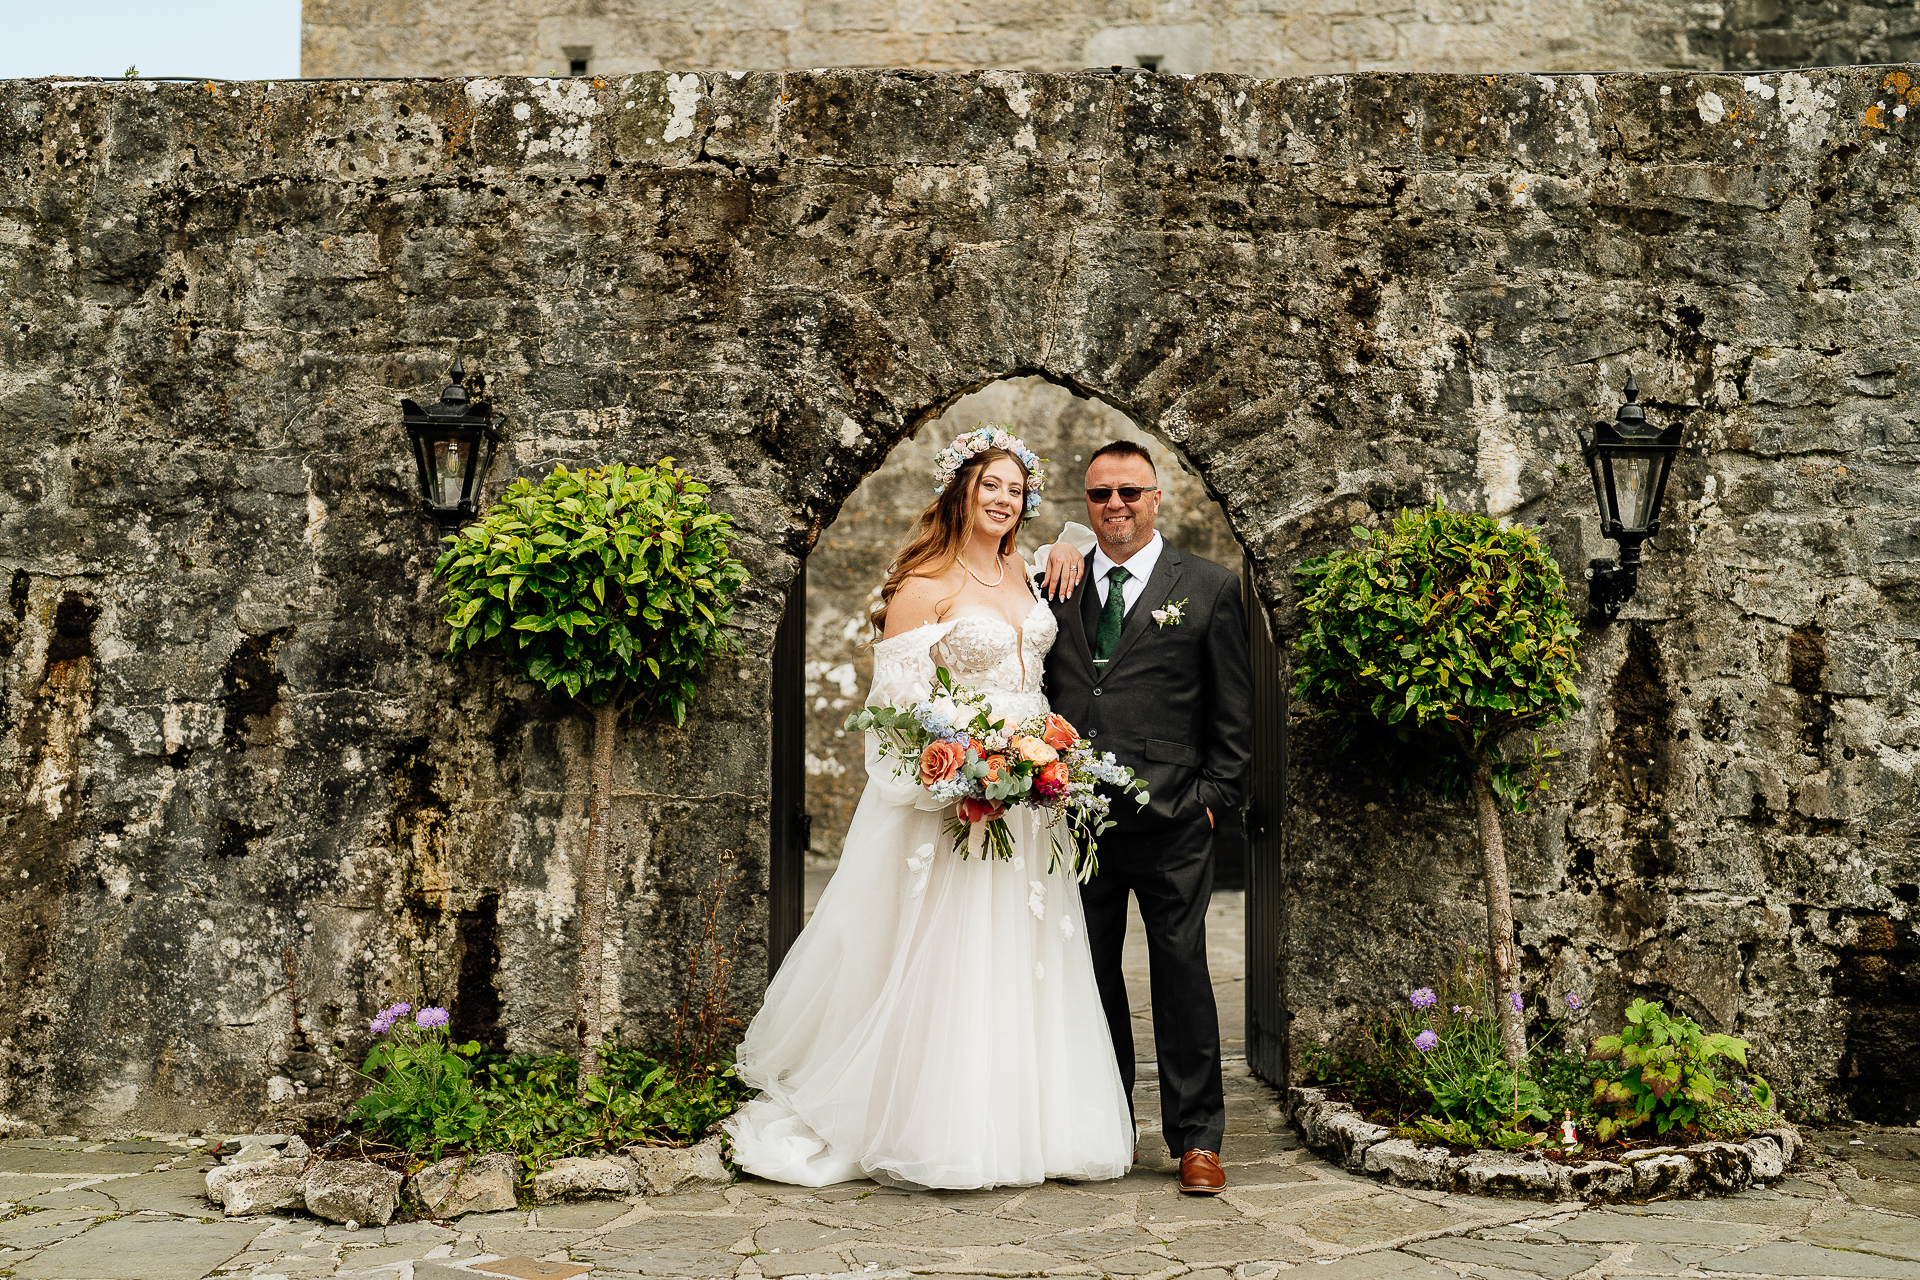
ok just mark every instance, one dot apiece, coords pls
pixel 918 602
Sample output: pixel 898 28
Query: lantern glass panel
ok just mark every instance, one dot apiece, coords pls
pixel 447 460
pixel 1635 474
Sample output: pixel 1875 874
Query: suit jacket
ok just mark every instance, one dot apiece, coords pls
pixel 1174 703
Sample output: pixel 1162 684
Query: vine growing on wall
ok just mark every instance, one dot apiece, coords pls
pixel 613 587
pixel 1453 629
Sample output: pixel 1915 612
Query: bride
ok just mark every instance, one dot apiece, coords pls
pixel 936 1023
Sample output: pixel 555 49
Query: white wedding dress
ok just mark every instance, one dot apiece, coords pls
pixel 936 1024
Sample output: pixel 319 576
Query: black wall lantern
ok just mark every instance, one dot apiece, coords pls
pixel 453 445
pixel 1629 460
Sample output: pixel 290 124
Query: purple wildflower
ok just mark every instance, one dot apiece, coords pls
pixel 1426 1042
pixel 1573 1001
pixel 431 1016
pixel 382 1024
pixel 1518 1003
pixel 1423 998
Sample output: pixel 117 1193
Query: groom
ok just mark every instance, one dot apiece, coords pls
pixel 1151 665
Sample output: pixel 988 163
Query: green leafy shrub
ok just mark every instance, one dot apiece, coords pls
pixel 1667 1072
pixel 423 1098
pixel 614 587
pixel 1453 629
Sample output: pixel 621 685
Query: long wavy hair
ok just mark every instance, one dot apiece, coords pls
pixel 942 533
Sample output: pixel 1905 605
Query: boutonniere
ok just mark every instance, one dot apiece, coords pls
pixel 1171 614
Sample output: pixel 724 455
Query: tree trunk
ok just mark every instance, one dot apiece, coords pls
pixel 593 893
pixel 1493 854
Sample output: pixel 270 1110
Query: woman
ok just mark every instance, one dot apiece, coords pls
pixel 936 1023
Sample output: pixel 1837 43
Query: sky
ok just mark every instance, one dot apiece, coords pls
pixel 215 39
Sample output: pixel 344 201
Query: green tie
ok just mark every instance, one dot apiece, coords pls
pixel 1108 635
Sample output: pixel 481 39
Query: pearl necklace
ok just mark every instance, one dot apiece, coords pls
pixel 964 564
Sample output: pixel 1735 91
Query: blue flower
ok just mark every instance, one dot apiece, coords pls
pixel 431 1016
pixel 1426 1042
pixel 1423 998
pixel 1518 1004
pixel 1573 1001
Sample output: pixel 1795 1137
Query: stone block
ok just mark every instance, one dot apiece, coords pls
pixel 242 1188
pixel 352 1191
pixel 665 1171
pixel 1766 1159
pixel 1408 1164
pixel 1790 1142
pixel 586 1176
pixel 1501 1173
pixel 10 1128
pixel 1340 1133
pixel 478 1184
pixel 1724 1166
pixel 1599 1180
pixel 1660 1172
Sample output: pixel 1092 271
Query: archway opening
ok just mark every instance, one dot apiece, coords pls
pixel 848 562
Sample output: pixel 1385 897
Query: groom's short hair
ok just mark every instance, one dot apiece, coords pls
pixel 1124 449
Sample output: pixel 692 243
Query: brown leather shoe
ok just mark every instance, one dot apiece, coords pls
pixel 1201 1174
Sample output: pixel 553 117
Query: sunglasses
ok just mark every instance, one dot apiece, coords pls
pixel 1129 493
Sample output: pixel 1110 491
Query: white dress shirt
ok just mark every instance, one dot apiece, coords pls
pixel 1139 565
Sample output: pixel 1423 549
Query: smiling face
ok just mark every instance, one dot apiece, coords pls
pixel 1123 527
pixel 999 498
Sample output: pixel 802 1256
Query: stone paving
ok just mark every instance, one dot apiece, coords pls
pixel 81 1210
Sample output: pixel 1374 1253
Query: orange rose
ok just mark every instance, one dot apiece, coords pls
pixel 1058 734
pixel 1054 774
pixel 996 767
pixel 972 810
pixel 979 749
pixel 939 761
pixel 1034 751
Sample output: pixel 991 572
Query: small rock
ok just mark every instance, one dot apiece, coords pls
pixel 1599 1180
pixel 1408 1164
pixel 352 1191
pixel 10 1128
pixel 268 1139
pixel 586 1176
pixel 480 1184
pixel 663 1171
pixel 1661 1171
pixel 297 1149
pixel 1766 1158
pixel 252 1152
pixel 1726 1166
pixel 259 1186
pixel 1341 1133
pixel 1491 1173
pixel 1789 1139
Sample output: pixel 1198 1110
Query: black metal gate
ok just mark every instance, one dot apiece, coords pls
pixel 1262 819
pixel 787 814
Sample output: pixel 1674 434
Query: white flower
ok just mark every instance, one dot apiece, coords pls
pixel 996 741
pixel 921 865
pixel 1037 899
pixel 949 711
pixel 1172 614
pixel 1019 863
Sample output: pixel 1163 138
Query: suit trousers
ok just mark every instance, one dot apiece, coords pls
pixel 1170 873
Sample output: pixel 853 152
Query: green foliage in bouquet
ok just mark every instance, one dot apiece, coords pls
pixel 613 584
pixel 1667 1072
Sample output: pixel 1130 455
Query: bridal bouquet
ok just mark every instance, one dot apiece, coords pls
pixel 960 752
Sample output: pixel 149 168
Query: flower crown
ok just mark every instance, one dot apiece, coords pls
pixel 988 436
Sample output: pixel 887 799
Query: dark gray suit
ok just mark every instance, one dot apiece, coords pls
pixel 1174 704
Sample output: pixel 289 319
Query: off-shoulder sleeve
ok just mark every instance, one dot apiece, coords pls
pixel 903 669
pixel 1077 536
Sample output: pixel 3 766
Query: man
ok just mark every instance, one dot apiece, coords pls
pixel 1151 664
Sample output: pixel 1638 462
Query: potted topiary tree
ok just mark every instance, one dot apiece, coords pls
pixel 612 586
pixel 1454 630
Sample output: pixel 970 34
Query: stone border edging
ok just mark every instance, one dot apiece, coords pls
pixel 1341 1134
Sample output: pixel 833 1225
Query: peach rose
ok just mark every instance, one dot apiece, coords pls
pixel 972 810
pixel 996 767
pixel 1054 774
pixel 1058 734
pixel 939 761
pixel 1034 751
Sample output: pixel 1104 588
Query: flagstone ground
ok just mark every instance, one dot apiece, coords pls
pixel 131 1210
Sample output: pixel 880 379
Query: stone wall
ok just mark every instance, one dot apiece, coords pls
pixel 244 803
pixel 1261 38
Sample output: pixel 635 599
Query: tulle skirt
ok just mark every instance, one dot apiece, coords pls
pixel 936 1024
